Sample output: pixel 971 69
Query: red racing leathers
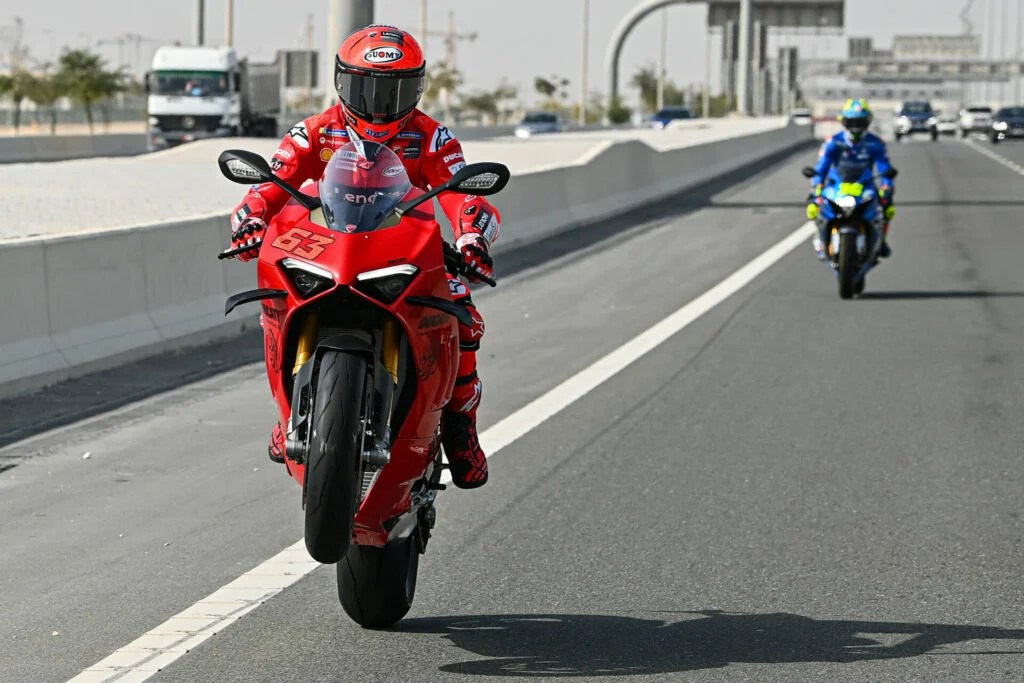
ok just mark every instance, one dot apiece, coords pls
pixel 431 155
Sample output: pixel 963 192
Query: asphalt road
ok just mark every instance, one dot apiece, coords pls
pixel 791 488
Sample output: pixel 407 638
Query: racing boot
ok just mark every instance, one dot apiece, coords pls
pixel 276 448
pixel 458 435
pixel 884 250
pixel 818 242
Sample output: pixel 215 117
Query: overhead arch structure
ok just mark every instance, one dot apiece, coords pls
pixel 622 31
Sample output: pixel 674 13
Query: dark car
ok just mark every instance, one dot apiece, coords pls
pixel 667 115
pixel 917 117
pixel 1008 122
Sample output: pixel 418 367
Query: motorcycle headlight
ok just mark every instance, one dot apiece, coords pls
pixel 308 279
pixel 386 284
pixel 1000 125
pixel 847 203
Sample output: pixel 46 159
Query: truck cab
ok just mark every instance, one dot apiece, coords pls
pixel 203 92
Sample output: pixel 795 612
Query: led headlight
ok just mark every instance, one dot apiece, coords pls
pixel 1000 125
pixel 933 120
pixel 308 279
pixel 386 284
pixel 847 203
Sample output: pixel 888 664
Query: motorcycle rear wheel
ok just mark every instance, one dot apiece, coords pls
pixel 334 464
pixel 376 586
pixel 847 264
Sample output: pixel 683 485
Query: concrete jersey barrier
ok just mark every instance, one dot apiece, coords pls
pixel 30 148
pixel 78 303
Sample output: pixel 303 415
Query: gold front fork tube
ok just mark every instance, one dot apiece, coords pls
pixel 389 349
pixel 307 342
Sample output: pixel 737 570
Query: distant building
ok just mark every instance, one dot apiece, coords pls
pixel 936 47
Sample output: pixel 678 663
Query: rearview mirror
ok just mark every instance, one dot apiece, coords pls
pixel 481 179
pixel 807 172
pixel 244 167
pixel 891 173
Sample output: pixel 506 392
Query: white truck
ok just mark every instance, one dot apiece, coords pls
pixel 206 92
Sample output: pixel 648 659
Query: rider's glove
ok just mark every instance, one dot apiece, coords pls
pixel 890 212
pixel 885 198
pixel 474 248
pixel 249 234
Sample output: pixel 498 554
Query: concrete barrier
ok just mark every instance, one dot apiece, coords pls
pixel 29 148
pixel 83 302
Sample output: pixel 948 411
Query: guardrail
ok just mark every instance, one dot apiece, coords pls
pixel 79 303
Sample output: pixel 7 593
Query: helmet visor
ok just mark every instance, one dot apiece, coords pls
pixel 856 125
pixel 379 99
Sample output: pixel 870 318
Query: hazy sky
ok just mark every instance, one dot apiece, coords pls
pixel 518 39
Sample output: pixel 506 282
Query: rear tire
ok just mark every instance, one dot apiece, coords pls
pixel 847 264
pixel 376 586
pixel 334 464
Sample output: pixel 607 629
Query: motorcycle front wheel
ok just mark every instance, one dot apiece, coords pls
pixel 334 464
pixel 847 264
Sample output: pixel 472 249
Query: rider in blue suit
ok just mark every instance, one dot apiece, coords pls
pixel 851 148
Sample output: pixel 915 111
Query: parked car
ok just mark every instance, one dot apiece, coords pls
pixel 975 119
pixel 916 117
pixel 538 122
pixel 948 125
pixel 1008 122
pixel 667 115
pixel 801 116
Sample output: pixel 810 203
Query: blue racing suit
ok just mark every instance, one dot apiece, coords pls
pixel 841 159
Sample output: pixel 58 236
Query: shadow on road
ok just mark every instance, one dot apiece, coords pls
pixel 942 294
pixel 552 645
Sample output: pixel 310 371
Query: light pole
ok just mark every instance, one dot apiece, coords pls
pixel 662 59
pixel 743 58
pixel 198 35
pixel 423 28
pixel 584 63
pixel 229 22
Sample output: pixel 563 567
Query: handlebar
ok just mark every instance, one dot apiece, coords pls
pixel 232 253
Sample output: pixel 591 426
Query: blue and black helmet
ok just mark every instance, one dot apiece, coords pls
pixel 856 117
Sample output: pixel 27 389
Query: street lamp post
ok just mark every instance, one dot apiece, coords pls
pixel 584 63
pixel 743 58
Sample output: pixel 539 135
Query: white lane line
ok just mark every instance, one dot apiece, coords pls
pixel 143 657
pixel 998 158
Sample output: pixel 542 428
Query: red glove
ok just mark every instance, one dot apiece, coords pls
pixel 249 234
pixel 474 249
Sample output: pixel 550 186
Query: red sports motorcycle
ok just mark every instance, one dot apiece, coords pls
pixel 361 348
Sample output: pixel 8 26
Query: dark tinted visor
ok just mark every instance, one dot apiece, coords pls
pixel 858 125
pixel 380 99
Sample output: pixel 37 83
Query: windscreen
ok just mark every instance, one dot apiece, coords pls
pixel 362 184
pixel 539 118
pixel 917 108
pixel 851 171
pixel 1011 113
pixel 190 83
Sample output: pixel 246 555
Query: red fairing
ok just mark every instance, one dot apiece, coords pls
pixel 433 337
pixel 430 152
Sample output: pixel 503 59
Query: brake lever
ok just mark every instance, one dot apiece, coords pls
pixel 232 253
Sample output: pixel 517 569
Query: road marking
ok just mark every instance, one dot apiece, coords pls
pixel 146 655
pixel 998 158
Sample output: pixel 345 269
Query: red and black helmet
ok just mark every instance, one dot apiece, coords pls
pixel 379 75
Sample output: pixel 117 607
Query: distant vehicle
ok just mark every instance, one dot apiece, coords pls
pixel 539 122
pixel 1008 122
pixel 801 116
pixel 948 125
pixel 975 119
pixel 208 92
pixel 667 115
pixel 916 117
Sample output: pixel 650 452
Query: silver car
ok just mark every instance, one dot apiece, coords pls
pixel 976 119
pixel 538 122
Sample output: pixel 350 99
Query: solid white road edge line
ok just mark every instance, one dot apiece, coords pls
pixel 998 158
pixel 143 657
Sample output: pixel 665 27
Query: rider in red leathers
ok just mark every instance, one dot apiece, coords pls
pixel 379 76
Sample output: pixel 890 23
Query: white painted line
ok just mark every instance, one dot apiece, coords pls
pixel 998 158
pixel 172 639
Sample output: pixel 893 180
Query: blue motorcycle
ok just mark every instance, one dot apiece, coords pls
pixel 853 227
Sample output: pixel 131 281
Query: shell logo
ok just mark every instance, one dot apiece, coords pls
pixel 326 154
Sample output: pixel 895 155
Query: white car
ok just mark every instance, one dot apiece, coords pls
pixel 948 125
pixel 801 117
pixel 975 119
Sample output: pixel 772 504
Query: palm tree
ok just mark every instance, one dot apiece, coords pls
pixel 16 86
pixel 45 89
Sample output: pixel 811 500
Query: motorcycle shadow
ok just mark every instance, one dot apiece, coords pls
pixel 574 645
pixel 939 294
